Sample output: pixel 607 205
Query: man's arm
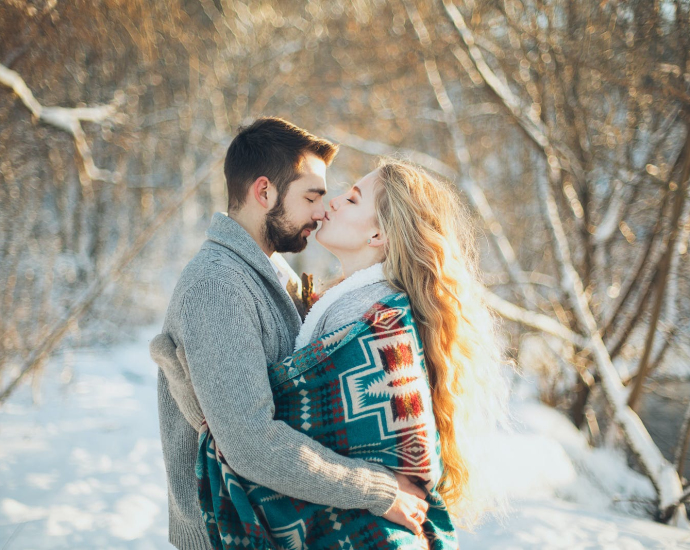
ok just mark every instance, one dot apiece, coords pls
pixel 223 347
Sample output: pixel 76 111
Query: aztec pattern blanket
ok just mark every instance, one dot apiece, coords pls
pixel 362 391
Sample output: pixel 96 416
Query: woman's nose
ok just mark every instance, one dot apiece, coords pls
pixel 332 203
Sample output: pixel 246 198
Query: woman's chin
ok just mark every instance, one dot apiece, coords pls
pixel 322 240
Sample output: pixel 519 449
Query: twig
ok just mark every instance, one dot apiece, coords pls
pixel 640 277
pixel 681 452
pixel 611 219
pixel 641 273
pixel 526 278
pixel 383 149
pixel 664 269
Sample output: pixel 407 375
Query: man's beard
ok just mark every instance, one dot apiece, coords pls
pixel 282 235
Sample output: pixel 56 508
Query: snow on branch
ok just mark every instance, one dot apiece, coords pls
pixel 67 120
pixel 532 319
pixel 383 149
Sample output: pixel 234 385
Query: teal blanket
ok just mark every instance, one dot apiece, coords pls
pixel 362 391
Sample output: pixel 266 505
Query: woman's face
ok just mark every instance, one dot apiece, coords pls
pixel 351 221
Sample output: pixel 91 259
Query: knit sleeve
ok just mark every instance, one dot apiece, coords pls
pixel 222 339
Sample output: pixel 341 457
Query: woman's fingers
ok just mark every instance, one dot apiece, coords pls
pixel 410 508
pixel 408 511
pixel 416 526
pixel 416 515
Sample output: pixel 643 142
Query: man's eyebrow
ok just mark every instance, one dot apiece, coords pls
pixel 357 190
pixel 319 190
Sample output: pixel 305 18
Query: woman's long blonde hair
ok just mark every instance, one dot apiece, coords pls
pixel 431 255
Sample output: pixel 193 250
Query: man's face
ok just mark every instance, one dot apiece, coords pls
pixel 292 219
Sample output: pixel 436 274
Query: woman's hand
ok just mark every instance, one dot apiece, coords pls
pixel 409 508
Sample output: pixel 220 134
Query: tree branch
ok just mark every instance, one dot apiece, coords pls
pixel 681 452
pixel 67 120
pixel 640 279
pixel 472 190
pixel 501 306
pixel 642 276
pixel 531 319
pixel 467 184
pixel 370 147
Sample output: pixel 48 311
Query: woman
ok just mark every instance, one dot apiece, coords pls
pixel 397 364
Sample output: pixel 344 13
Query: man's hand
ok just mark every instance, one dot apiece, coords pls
pixel 173 363
pixel 409 508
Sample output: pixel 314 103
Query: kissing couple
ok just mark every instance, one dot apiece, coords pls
pixel 352 427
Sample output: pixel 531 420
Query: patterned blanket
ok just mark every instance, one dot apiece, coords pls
pixel 362 391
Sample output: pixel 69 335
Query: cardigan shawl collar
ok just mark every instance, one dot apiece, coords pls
pixel 228 233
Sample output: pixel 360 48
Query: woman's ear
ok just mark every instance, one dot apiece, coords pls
pixel 378 240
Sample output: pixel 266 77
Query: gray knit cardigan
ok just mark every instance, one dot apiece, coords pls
pixel 227 319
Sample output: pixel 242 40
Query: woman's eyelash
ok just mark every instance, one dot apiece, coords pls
pixel 350 200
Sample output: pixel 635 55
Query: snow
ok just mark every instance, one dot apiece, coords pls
pixel 82 469
pixel 549 524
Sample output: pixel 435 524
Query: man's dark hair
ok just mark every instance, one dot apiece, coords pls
pixel 273 148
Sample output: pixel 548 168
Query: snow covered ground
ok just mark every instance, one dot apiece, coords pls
pixel 82 469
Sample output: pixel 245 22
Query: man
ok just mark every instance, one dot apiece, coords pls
pixel 229 317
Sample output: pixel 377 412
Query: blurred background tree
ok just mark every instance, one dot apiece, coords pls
pixel 563 124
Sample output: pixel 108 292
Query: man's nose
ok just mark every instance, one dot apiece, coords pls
pixel 320 212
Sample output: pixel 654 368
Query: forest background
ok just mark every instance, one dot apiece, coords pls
pixel 563 124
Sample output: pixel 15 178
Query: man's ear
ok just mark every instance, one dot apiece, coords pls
pixel 261 191
pixel 378 240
